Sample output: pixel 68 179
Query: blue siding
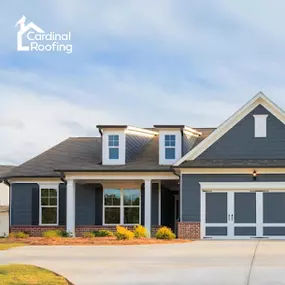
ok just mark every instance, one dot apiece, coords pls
pixel 187 143
pixel 191 189
pixel 240 143
pixel 134 145
pixel 85 204
pixel 21 205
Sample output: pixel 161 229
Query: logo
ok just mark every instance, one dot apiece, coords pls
pixel 37 40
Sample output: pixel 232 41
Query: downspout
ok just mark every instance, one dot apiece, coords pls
pixel 62 178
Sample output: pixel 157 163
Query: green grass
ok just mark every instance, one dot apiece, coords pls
pixel 28 275
pixel 4 246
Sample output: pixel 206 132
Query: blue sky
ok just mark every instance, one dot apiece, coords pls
pixel 135 62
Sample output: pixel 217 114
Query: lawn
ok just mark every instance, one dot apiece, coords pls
pixel 6 245
pixel 28 275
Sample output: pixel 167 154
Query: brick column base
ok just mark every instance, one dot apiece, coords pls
pixel 189 230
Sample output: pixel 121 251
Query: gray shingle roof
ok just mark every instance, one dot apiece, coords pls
pixel 233 163
pixel 85 154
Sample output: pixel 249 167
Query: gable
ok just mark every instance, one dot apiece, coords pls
pixel 240 143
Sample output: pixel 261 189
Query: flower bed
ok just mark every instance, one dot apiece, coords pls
pixel 88 241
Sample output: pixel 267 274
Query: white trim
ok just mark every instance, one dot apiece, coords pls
pixel 260 126
pixel 258 99
pixel 137 131
pixel 70 206
pixel 147 205
pixel 121 176
pixel 159 203
pixel 248 171
pixel 54 186
pixel 223 186
pixel 181 196
pixel 121 206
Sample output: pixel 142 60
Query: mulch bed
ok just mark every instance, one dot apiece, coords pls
pixel 90 241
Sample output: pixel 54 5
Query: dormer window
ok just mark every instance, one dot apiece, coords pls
pixel 170 142
pixel 113 144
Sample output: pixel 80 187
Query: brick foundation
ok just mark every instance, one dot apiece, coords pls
pixel 35 231
pixel 189 230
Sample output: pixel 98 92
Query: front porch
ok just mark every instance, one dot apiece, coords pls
pixel 93 204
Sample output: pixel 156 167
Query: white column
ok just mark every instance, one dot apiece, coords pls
pixel 70 207
pixel 147 205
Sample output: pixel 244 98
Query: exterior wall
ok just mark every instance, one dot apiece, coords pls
pixel 191 194
pixel 4 224
pixel 191 189
pixel 88 208
pixel 240 143
pixel 4 194
pixel 187 143
pixel 22 203
pixel 134 144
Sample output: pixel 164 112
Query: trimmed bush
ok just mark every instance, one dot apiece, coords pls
pixel 103 233
pixel 66 234
pixel 123 233
pixel 89 235
pixel 165 233
pixel 19 235
pixel 140 232
pixel 52 234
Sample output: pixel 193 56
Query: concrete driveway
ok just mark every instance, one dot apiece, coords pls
pixel 196 263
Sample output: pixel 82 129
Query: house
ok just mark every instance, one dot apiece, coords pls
pixel 222 183
pixel 4 203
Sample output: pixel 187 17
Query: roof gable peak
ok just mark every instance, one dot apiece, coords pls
pixel 259 99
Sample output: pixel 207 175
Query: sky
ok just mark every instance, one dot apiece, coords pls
pixel 135 62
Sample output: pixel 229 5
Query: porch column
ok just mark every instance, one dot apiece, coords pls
pixel 147 205
pixel 70 207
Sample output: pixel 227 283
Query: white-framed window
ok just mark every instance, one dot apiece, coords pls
pixel 260 126
pixel 169 143
pixel 113 144
pixel 122 206
pixel 48 205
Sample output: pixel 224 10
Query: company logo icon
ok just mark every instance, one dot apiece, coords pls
pixel 23 29
pixel 38 40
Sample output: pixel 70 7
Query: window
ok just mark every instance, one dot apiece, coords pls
pixel 49 206
pixel 122 206
pixel 113 143
pixel 169 146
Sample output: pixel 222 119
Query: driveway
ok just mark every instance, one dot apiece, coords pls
pixel 196 263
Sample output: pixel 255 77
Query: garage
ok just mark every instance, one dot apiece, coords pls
pixel 239 213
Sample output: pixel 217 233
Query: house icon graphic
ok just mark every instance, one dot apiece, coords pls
pixel 23 29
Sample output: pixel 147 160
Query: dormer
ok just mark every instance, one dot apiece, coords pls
pixel 120 143
pixel 174 142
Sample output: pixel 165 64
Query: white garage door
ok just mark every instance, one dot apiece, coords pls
pixel 243 214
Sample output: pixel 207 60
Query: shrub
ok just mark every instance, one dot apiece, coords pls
pixel 123 233
pixel 140 232
pixel 52 234
pixel 103 233
pixel 164 233
pixel 66 234
pixel 89 235
pixel 19 235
